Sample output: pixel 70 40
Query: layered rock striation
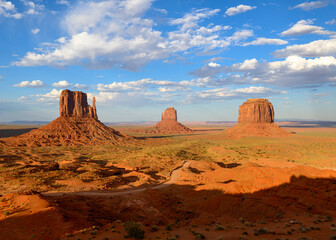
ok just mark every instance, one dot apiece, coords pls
pixel 256 118
pixel 78 124
pixel 169 123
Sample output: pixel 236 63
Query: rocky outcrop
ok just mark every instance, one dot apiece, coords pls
pixel 256 118
pixel 256 111
pixel 169 114
pixel 74 104
pixel 78 124
pixel 169 123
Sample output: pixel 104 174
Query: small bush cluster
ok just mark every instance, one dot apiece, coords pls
pixel 134 229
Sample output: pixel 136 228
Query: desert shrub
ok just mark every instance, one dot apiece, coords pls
pixel 169 227
pixel 219 227
pixel 134 229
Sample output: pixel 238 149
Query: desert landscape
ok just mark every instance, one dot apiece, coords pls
pixel 167 120
pixel 76 178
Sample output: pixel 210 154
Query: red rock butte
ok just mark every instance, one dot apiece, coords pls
pixel 256 118
pixel 78 124
pixel 169 123
pixel 74 104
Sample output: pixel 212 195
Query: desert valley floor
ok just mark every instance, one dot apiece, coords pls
pixel 221 187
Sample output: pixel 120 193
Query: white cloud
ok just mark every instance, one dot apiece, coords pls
pixel 35 31
pixel 213 64
pixel 61 84
pixel 7 9
pixel 221 94
pixel 239 36
pixel 23 98
pixel 238 9
pixel 292 72
pixel 266 41
pixel 80 86
pixel 190 20
pixel 33 8
pixel 63 2
pixel 311 5
pixel 248 64
pixel 313 49
pixel 108 34
pixel 32 84
pixel 52 96
pixel 306 27
pixel 331 22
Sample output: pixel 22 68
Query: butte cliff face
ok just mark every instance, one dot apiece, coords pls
pixel 78 124
pixel 74 104
pixel 256 111
pixel 256 118
pixel 169 123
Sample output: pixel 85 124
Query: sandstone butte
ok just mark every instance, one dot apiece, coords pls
pixel 169 123
pixel 78 124
pixel 256 118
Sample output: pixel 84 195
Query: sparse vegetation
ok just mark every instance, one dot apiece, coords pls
pixel 134 229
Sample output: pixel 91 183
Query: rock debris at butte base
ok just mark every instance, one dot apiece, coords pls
pixel 78 124
pixel 169 123
pixel 256 118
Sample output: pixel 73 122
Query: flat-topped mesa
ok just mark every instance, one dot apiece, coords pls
pixel 169 114
pixel 74 104
pixel 256 110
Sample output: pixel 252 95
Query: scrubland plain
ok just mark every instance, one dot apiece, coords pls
pixel 244 188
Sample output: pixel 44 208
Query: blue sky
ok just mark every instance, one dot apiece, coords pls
pixel 138 57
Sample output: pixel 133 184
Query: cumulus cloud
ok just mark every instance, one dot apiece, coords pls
pixel 61 84
pixel 7 9
pixel 306 27
pixel 238 9
pixel 52 96
pixel 35 31
pixel 108 34
pixel 32 84
pixel 307 6
pixel 313 49
pixel 294 71
pixel 266 41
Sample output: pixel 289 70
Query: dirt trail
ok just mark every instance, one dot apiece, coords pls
pixel 174 177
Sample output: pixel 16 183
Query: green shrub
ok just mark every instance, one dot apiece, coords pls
pixel 134 229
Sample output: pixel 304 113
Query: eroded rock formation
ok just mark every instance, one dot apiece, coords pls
pixel 256 110
pixel 74 104
pixel 78 124
pixel 256 118
pixel 169 123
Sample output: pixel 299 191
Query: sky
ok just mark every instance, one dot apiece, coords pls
pixel 138 57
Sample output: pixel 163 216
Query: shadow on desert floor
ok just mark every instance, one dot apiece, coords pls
pixel 302 207
pixel 14 132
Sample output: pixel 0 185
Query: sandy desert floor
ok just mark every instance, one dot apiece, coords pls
pixel 250 188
